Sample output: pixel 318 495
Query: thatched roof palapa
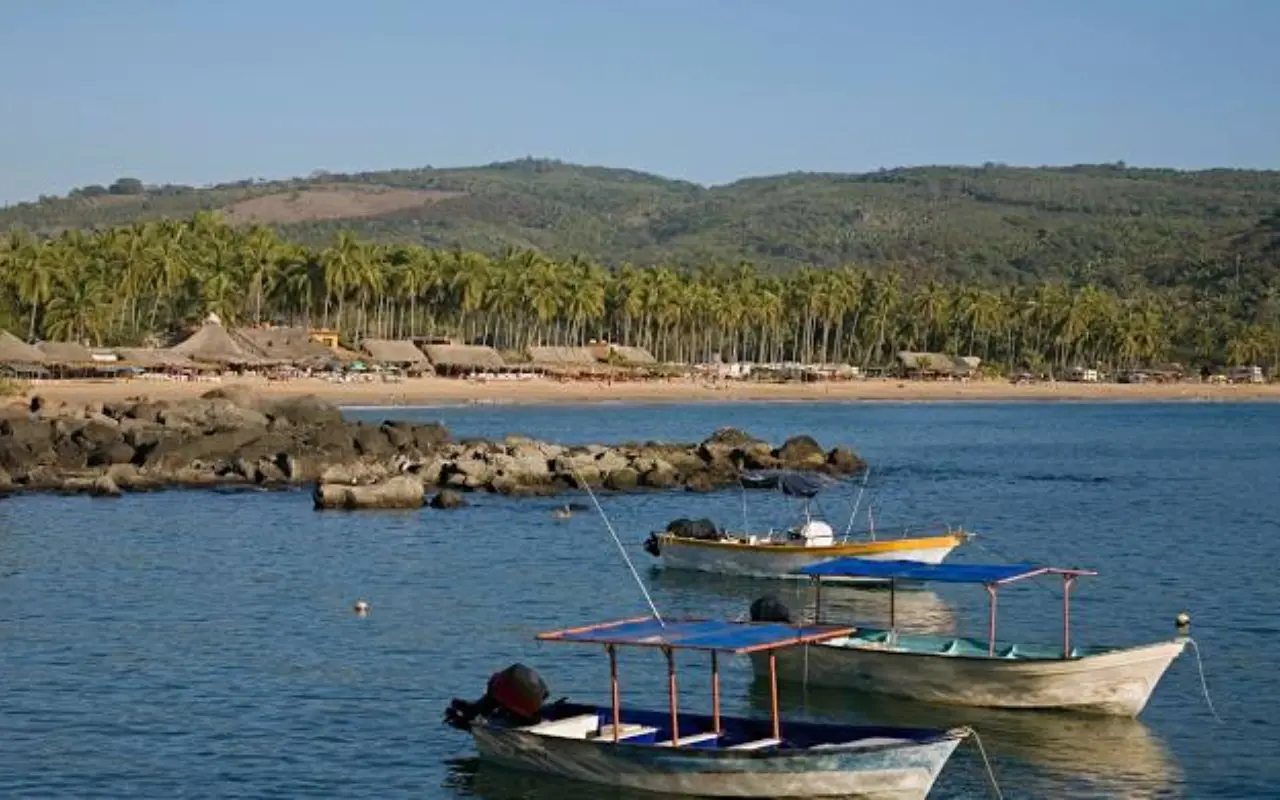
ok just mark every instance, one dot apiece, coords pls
pixel 939 363
pixel 15 351
pixel 212 344
pixel 562 356
pixel 394 351
pixel 153 358
pixel 633 355
pixel 464 356
pixel 66 353
pixel 281 344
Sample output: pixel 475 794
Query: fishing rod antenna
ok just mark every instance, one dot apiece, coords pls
pixel 648 599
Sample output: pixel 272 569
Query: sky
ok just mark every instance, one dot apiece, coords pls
pixel 704 90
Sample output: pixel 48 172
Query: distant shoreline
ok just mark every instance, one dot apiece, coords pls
pixel 429 392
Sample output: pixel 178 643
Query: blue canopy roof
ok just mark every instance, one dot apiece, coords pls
pixel 943 573
pixel 695 634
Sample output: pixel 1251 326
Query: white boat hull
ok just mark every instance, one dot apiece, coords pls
pixel 892 774
pixel 1118 682
pixel 783 561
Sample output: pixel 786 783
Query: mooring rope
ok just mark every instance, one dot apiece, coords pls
pixel 1204 687
pixel 967 732
pixel 621 549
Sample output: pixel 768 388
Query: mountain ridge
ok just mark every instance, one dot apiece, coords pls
pixel 1107 222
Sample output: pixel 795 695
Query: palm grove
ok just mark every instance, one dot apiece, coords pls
pixel 122 285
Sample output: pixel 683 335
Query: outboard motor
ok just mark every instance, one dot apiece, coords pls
pixel 651 545
pixel 514 695
pixel 770 609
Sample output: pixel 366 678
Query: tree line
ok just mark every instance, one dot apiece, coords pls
pixel 130 284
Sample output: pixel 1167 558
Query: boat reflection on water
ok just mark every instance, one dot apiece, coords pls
pixel 1074 754
pixel 916 610
pixel 476 777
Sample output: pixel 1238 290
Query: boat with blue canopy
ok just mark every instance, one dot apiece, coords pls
pixel 974 672
pixel 700 545
pixel 714 755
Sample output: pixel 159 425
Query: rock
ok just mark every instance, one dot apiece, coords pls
pixel 399 436
pixel 730 437
pixel 402 491
pixel 447 498
pixel 211 416
pixel 146 411
pixel 430 436
pixel 355 473
pixel 757 455
pixel 306 411
pixel 117 453
pixel 371 441
pixel 104 486
pixel 699 482
pixel 622 480
pixel 843 461
pixel 801 452
pixel 660 477
pixel 127 476
pixel 31 434
pixel 6 482
pixel 241 396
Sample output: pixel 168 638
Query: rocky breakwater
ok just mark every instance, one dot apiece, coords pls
pixel 229 437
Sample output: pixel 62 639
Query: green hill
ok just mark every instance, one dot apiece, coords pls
pixel 1108 224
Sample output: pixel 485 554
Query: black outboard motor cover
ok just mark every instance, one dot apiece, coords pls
pixel 770 609
pixel 514 695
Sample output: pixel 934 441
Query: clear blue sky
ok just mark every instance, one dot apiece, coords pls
pixel 198 91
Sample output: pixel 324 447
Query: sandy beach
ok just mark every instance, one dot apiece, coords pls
pixel 445 391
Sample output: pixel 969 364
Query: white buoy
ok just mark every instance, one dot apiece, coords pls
pixel 1182 621
pixel 361 608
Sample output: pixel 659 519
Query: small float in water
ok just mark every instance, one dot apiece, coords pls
pixel 971 672
pixel 699 545
pixel 680 753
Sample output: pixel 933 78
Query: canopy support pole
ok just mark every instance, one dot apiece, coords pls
pixel 1067 581
pixel 613 680
pixel 773 692
pixel 991 622
pixel 893 605
pixel 671 688
pixel 817 600
pixel 715 691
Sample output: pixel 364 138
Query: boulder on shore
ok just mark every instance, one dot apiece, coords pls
pixel 402 491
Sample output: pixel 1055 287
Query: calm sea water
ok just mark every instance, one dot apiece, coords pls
pixel 198 644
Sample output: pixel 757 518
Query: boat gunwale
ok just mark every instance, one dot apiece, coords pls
pixel 826 551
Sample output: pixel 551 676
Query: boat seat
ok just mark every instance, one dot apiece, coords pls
pixel 758 744
pixel 627 733
pixel 692 740
pixel 1009 652
pixel 579 727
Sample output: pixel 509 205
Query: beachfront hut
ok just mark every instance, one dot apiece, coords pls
pixel 15 351
pixel 153 359
pixel 68 359
pixel 463 359
pixel 396 352
pixel 561 356
pixel 634 356
pixel 212 344
pixel 934 365
pixel 284 345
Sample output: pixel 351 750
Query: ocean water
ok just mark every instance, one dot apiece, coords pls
pixel 201 644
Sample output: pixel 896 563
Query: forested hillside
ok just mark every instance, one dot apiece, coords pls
pixel 1027 268
pixel 1110 224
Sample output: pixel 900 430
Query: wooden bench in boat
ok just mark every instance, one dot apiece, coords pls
pixel 758 744
pixel 626 733
pixel 579 727
pixel 692 740
pixel 874 741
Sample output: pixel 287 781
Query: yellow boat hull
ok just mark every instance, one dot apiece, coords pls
pixel 762 560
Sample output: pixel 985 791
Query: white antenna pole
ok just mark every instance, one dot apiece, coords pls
pixel 871 522
pixel 621 549
pixel 746 527
pixel 866 475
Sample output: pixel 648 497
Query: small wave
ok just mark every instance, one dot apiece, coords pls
pixel 1065 478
